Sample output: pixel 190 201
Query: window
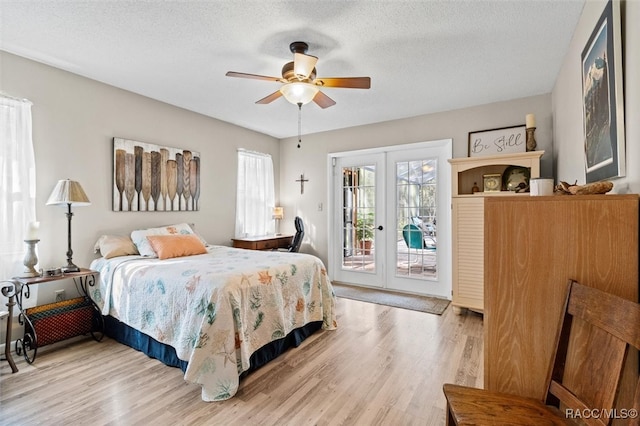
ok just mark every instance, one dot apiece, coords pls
pixel 255 197
pixel 17 182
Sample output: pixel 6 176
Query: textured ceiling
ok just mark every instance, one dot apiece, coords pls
pixel 422 56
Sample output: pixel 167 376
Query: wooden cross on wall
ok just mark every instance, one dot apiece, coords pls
pixel 302 180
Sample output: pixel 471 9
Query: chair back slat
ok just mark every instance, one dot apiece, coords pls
pixel 613 314
pixel 594 367
pixel 570 400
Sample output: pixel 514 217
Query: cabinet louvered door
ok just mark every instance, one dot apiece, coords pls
pixel 468 252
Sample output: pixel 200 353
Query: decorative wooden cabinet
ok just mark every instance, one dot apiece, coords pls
pixel 467 210
pixel 534 245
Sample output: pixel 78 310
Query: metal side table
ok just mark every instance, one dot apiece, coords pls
pixel 53 322
pixel 8 290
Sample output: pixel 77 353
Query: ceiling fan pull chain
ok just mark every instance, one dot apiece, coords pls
pixel 299 123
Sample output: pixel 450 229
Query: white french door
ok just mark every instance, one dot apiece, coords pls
pixel 359 219
pixel 391 218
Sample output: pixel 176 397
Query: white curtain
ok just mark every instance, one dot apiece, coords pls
pixel 255 198
pixel 17 183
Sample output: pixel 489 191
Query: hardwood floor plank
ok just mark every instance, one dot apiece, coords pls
pixel 382 366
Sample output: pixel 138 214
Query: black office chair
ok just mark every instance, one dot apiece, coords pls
pixel 294 247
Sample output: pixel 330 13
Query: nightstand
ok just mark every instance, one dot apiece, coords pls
pixel 53 322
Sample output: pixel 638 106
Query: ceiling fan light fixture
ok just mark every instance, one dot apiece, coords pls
pixel 299 93
pixel 300 85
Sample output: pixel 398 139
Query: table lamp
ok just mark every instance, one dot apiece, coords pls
pixel 68 192
pixel 278 214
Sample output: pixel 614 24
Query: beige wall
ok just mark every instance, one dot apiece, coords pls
pixel 74 121
pixel 311 158
pixel 567 99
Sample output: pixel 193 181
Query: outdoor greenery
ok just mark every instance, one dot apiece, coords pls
pixel 364 226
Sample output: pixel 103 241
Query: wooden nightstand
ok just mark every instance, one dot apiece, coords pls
pixel 53 322
pixel 268 242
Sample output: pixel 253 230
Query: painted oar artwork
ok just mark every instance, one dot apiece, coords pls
pixel 149 177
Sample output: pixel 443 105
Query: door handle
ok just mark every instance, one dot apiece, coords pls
pixel 380 228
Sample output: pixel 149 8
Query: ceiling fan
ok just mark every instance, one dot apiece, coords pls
pixel 300 85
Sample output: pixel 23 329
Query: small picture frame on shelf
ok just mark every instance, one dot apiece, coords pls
pixel 504 140
pixel 492 182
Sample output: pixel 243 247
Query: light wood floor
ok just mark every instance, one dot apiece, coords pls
pixel 382 366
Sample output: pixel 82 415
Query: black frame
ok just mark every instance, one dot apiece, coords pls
pixel 602 98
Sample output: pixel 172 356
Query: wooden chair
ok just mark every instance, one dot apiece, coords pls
pixel 614 324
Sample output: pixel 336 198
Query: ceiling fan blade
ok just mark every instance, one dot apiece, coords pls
pixel 253 76
pixel 268 99
pixel 323 100
pixel 345 82
pixel 303 64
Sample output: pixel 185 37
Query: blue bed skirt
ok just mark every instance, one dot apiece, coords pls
pixel 122 333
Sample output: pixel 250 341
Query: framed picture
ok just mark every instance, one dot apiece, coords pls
pixel 492 182
pixel 602 102
pixel 149 177
pixel 505 140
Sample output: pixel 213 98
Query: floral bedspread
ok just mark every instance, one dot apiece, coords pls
pixel 216 309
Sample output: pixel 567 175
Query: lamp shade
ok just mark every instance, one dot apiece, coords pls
pixel 299 93
pixel 68 192
pixel 278 213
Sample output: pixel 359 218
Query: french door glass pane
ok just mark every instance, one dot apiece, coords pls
pixel 416 235
pixel 358 218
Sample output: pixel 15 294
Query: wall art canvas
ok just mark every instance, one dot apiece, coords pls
pixel 603 115
pixel 505 140
pixel 149 177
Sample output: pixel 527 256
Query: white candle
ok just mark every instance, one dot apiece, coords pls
pixel 32 230
pixel 531 121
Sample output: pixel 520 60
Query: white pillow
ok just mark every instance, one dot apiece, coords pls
pixel 115 245
pixel 139 236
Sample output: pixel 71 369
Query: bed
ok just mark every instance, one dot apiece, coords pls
pixel 216 315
